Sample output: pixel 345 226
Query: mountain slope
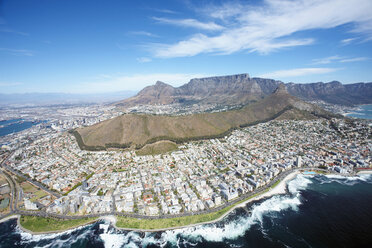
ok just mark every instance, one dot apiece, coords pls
pixel 241 89
pixel 135 130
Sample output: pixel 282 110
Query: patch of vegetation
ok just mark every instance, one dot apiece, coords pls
pixel 73 188
pixel 150 129
pixel 151 224
pixel 83 146
pixel 275 184
pixel 38 194
pixel 157 148
pixel 89 176
pixel 41 224
pixel 19 179
pixel 28 188
pixel 100 192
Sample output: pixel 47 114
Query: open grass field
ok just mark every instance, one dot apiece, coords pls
pixel 38 194
pixel 40 224
pixel 157 148
pixel 28 188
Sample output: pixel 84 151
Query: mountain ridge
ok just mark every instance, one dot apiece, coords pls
pixel 138 130
pixel 242 89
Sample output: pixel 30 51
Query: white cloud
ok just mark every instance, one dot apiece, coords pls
pixel 6 30
pixel 142 33
pixel 9 84
pixel 298 72
pixel 167 11
pixel 327 60
pixel 132 82
pixel 353 59
pixel 345 42
pixel 143 60
pixel 269 26
pixel 18 52
pixel 336 58
pixel 189 23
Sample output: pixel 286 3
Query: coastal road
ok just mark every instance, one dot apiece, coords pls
pixel 280 177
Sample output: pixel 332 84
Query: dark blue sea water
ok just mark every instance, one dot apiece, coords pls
pixel 15 125
pixel 318 211
pixel 364 112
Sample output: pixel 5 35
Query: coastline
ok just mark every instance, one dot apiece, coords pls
pixel 366 172
pixel 14 216
pixel 354 111
pixel 52 232
pixel 278 189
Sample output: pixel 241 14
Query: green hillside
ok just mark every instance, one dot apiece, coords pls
pixel 137 130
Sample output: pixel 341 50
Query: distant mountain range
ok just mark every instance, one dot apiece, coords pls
pixel 242 89
pixel 153 132
pixel 37 99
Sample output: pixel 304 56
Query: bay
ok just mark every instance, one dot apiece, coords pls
pixel 363 112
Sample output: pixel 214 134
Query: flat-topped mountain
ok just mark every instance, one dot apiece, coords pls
pixel 138 130
pixel 242 89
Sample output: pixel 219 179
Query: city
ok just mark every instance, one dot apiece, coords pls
pixel 185 124
pixel 200 176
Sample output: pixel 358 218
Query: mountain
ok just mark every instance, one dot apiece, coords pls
pixel 242 89
pixel 334 92
pixel 138 130
pixel 230 90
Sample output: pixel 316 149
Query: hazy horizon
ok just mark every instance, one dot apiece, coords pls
pixel 100 47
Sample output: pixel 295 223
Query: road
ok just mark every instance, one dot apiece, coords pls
pixel 281 176
pixel 8 168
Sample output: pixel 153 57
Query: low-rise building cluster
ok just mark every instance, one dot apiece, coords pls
pixel 200 175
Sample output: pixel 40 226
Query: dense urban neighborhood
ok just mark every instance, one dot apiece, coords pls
pixel 53 176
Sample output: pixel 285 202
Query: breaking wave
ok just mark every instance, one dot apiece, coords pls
pixel 113 238
pixel 231 228
pixel 344 180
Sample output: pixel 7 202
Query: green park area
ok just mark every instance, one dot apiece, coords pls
pixel 41 224
pixel 36 192
pixel 151 224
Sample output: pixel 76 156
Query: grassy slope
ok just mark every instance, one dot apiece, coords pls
pixel 40 224
pixel 145 129
pixel 157 148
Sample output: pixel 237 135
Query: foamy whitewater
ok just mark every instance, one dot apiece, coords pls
pixel 263 222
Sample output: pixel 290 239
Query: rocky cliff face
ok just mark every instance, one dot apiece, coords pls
pixel 242 89
pixel 333 92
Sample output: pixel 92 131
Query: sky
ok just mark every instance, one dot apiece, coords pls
pixel 77 46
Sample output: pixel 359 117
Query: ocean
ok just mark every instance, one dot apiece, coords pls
pixel 363 111
pixel 317 211
pixel 15 125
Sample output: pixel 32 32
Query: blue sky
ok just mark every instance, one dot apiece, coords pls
pixel 104 46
